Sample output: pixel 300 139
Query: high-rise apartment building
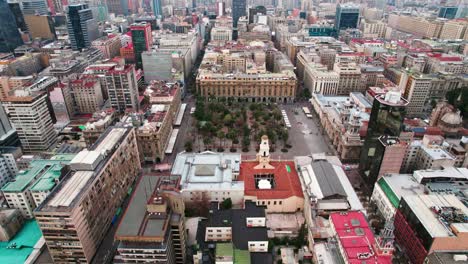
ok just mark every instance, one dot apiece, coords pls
pixel 416 88
pixel 142 41
pixel 347 16
pixel 32 115
pixel 75 217
pixel 152 228
pixel 87 95
pixel 122 88
pixel 10 37
pixel 82 27
pixel 109 46
pixel 386 119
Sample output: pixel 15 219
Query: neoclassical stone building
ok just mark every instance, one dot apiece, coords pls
pixel 344 120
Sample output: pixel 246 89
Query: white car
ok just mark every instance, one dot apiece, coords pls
pixel 192 110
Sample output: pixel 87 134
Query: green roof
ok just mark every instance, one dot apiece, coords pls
pixel 224 249
pixel 47 181
pixel 241 256
pixel 389 192
pixel 38 168
pixel 25 240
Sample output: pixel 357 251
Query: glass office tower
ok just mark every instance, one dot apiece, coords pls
pixel 347 16
pixel 386 119
pixel 10 37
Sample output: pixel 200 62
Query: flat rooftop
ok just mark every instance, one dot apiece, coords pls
pixel 136 221
pixel 437 153
pixel 397 185
pixel 38 173
pixel 207 170
pixel 421 206
pixel 25 240
pixel 68 190
pixel 452 173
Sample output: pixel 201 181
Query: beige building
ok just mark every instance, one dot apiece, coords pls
pixel 9 83
pixel 418 26
pixel 280 87
pixel 373 29
pixel 110 47
pixel 87 95
pixel 416 87
pixel 454 30
pixel 77 214
pixel 154 132
pixel 95 126
pixel 350 78
pixel 343 120
pixel 433 157
pixel 221 34
pixel 321 81
pixel 40 26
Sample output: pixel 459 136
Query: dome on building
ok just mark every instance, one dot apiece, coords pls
pixel 450 122
pixel 452 118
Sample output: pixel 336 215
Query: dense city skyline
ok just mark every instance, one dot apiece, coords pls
pixel 234 131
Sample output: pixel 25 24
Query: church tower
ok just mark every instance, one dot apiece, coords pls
pixel 263 155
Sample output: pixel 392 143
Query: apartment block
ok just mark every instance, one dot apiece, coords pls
pixel 433 157
pixel 416 88
pixel 121 84
pixel 108 45
pixel 154 129
pixel 8 168
pixel 33 184
pixel 152 228
pixel 31 114
pixel 75 217
pixel 87 95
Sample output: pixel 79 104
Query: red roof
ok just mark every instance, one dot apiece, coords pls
pixel 356 238
pixel 286 183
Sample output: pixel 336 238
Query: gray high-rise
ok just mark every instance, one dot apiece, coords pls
pixel 10 37
pixel 82 27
